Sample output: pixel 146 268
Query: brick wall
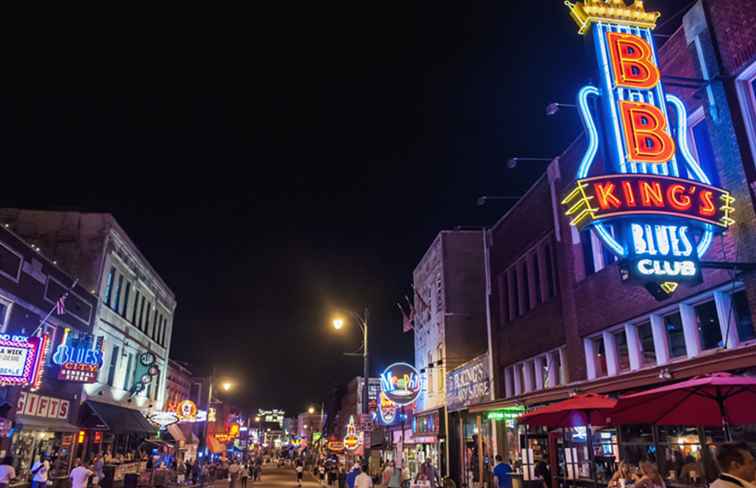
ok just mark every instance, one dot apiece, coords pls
pixel 733 24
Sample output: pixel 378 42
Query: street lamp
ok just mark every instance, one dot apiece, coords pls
pixel 311 410
pixel 226 385
pixel 362 321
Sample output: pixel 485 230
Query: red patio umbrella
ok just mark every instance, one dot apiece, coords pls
pixel 587 409
pixel 719 399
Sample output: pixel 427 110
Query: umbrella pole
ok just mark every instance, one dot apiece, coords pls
pixel 589 443
pixel 723 414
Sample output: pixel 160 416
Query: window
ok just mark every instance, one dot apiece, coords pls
pixel 599 356
pixel 430 372
pixel 743 315
pixel 544 371
pixel 537 277
pixel 117 304
pixel 558 366
pixel 4 308
pixel 113 365
pixel 108 292
pixel 646 337
pixel 701 147
pixel 126 383
pixel 550 278
pixel 623 354
pixel 708 325
pixel 585 242
pixel 136 307
pixel 156 324
pixel 675 335
pixel 517 290
pixel 525 286
pixel 512 294
pixel 125 306
pixel 141 315
pixel 746 88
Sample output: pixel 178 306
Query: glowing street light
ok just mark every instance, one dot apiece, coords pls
pixel 338 323
pixel 226 386
pixel 311 410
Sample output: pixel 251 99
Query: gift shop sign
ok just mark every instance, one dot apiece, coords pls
pixel 647 198
pixel 34 405
pixel 468 384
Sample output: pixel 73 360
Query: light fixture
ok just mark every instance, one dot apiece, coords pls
pixel 553 107
pixel 338 323
pixel 664 374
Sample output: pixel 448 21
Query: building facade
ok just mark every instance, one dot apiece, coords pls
pixel 566 319
pixel 178 385
pixel 134 314
pixel 450 329
pixel 39 406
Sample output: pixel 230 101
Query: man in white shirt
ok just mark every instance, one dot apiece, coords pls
pixel 79 475
pixel 363 480
pixel 737 465
pixel 39 472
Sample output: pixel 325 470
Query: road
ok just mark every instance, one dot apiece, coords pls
pixel 276 478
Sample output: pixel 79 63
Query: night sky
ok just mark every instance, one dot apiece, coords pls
pixel 276 165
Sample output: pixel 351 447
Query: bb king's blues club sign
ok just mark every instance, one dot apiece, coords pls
pixel 647 198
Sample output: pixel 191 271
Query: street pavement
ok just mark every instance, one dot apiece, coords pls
pixel 273 477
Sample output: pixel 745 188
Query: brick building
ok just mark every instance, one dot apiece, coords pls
pixel 563 321
pixel 178 386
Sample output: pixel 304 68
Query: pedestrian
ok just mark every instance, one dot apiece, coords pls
pixel 363 479
pixel 650 477
pixel 352 475
pixel 233 474
pixel 180 473
pixel 39 471
pixel 244 475
pixel 396 477
pixel 502 472
pixel 737 466
pixel 300 472
pixel 321 473
pixel 7 472
pixel 342 476
pixel 80 475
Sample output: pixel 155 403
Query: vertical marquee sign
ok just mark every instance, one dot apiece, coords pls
pixel 649 201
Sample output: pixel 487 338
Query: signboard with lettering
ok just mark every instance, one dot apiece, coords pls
pixel 79 357
pixel 34 405
pixel 21 360
pixel 468 384
pixel 401 383
pixel 638 187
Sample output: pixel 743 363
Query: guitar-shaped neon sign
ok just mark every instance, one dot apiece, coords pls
pixel 647 198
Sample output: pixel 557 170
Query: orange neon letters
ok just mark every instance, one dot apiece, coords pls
pixel 677 198
pixel 651 194
pixel 707 207
pixel 645 133
pixel 632 61
pixel 606 197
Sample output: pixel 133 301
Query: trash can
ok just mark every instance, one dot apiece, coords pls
pixel 130 480
pixel 107 480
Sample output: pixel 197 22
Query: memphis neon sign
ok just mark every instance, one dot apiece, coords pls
pixel 649 201
pixel 401 384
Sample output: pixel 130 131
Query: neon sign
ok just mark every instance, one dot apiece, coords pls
pixel 386 409
pixel 79 358
pixel 22 360
pixel 186 410
pixel 401 383
pixel 146 369
pixel 649 201
pixel 351 439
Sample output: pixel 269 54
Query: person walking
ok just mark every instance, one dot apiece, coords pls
pixel 40 470
pixel 737 465
pixel 388 472
pixel 502 473
pixel 395 481
pixel 180 473
pixel 7 472
pixel 80 475
pixel 299 468
pixel 363 479
pixel 244 475
pixel 352 475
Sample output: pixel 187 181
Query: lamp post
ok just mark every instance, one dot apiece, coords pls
pixel 226 385
pixel 338 323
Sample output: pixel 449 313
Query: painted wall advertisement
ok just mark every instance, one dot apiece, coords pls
pixel 468 384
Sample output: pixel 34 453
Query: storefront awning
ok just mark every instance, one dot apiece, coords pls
pixel 45 424
pixel 118 420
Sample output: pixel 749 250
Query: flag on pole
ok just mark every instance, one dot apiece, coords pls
pixel 407 318
pixel 60 304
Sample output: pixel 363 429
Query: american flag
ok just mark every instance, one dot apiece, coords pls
pixel 60 305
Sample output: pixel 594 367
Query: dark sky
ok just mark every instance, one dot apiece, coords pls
pixel 275 165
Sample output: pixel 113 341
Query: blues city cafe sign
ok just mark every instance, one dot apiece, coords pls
pixel 646 197
pixel 401 383
pixel 78 357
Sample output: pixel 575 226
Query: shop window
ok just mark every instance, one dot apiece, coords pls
pixel 646 337
pixel 637 444
pixel 708 325
pixel 599 356
pixel 108 291
pixel 743 316
pixel 680 457
pixel 675 335
pixel 113 365
pixel 623 354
